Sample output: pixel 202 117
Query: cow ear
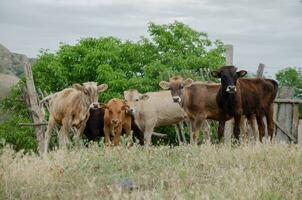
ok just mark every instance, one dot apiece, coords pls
pixel 164 85
pixel 125 107
pixel 103 106
pixel 188 82
pixel 215 74
pixel 241 73
pixel 102 88
pixel 78 87
pixel 144 97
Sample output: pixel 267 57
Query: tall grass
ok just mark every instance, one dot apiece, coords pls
pixel 271 171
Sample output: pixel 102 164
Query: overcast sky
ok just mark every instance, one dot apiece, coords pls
pixel 267 31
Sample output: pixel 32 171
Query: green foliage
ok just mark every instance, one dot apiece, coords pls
pixel 14 110
pixel 172 49
pixel 293 78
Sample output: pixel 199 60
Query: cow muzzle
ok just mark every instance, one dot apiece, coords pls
pixel 176 99
pixel 231 89
pixel 115 122
pixel 131 111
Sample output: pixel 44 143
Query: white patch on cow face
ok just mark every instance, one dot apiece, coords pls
pixel 176 99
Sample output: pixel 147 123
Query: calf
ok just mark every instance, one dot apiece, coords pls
pixel 95 126
pixel 198 99
pixel 115 119
pixel 238 96
pixel 153 109
pixel 70 108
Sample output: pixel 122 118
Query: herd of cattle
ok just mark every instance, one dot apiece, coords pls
pixel 138 114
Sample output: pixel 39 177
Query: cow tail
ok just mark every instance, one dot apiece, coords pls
pixel 44 103
pixel 275 89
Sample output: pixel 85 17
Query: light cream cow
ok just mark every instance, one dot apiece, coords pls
pixel 153 109
pixel 70 108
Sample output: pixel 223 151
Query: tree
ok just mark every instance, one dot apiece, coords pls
pixel 293 78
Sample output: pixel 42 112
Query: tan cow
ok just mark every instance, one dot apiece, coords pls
pixel 153 109
pixel 198 99
pixel 70 108
pixel 116 119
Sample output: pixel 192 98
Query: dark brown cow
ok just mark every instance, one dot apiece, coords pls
pixel 94 129
pixel 238 96
pixel 115 119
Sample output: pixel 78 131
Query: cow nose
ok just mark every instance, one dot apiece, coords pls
pixel 231 88
pixel 114 121
pixel 176 99
pixel 131 110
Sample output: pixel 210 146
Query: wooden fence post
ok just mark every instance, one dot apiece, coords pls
pixel 285 114
pixel 33 106
pixel 300 134
pixel 229 125
pixel 260 70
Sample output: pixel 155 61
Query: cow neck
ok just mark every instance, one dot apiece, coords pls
pixel 227 101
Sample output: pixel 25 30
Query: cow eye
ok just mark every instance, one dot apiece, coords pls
pixel 136 99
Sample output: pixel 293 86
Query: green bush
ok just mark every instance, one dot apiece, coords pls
pixel 14 110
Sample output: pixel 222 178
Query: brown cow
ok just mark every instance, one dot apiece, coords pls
pixel 238 96
pixel 70 108
pixel 198 99
pixel 116 119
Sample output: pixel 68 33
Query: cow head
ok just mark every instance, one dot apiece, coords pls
pixel 133 98
pixel 229 77
pixel 91 90
pixel 115 109
pixel 176 85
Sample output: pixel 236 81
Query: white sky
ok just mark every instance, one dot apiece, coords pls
pixel 267 31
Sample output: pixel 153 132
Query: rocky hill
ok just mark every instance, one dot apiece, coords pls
pixel 11 68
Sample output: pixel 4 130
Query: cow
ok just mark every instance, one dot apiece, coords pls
pixel 116 119
pixel 153 109
pixel 70 108
pixel 239 96
pixel 94 128
pixel 198 99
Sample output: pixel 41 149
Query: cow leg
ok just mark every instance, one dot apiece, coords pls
pixel 237 127
pixel 243 129
pixel 78 134
pixel 181 127
pixel 196 128
pixel 178 134
pixel 221 130
pixel 51 124
pixel 253 124
pixel 260 127
pixel 206 130
pixel 117 135
pixel 270 122
pixel 147 135
pixel 129 133
pixel 66 125
pixel 107 135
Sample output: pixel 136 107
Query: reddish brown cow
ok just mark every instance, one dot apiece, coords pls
pixel 238 96
pixel 116 119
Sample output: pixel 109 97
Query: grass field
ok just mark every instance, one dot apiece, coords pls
pixel 184 172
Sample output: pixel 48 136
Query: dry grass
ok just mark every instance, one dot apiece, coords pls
pixel 185 172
